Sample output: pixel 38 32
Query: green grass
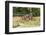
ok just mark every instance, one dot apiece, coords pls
pixel 26 23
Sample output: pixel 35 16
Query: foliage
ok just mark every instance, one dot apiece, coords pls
pixel 36 11
pixel 26 10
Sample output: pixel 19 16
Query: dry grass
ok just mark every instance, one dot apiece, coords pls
pixel 17 21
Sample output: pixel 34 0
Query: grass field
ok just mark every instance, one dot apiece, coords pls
pixel 18 22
